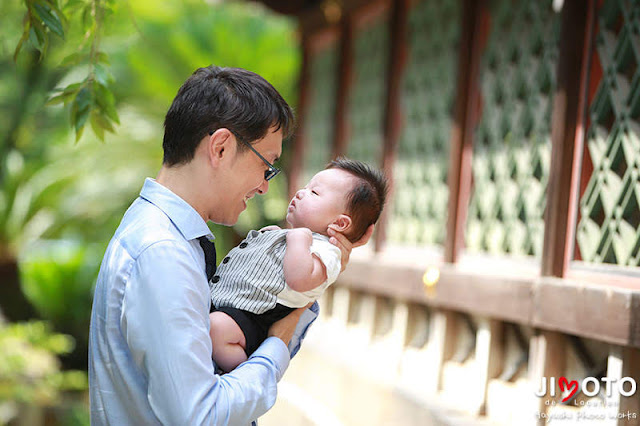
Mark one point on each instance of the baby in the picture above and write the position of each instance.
(273, 272)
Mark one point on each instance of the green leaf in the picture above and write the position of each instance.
(36, 36)
(79, 133)
(80, 110)
(73, 113)
(73, 88)
(102, 74)
(96, 125)
(81, 118)
(104, 122)
(54, 6)
(106, 101)
(83, 99)
(59, 98)
(25, 37)
(49, 19)
(71, 60)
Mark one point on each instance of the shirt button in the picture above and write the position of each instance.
(243, 245)
(215, 279)
(226, 259)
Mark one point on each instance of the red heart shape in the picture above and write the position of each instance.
(568, 385)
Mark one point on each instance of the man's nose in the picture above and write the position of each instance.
(264, 187)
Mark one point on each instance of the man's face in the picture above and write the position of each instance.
(246, 177)
(320, 202)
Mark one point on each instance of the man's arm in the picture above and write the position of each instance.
(303, 271)
(165, 323)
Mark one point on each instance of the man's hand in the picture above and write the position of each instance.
(284, 328)
(339, 240)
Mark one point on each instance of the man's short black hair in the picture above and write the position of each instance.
(213, 98)
(366, 199)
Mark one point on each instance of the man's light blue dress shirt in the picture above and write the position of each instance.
(150, 351)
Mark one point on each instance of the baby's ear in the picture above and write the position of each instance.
(341, 224)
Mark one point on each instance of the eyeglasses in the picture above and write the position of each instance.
(271, 172)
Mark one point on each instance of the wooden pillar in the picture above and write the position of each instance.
(567, 134)
(475, 30)
(300, 138)
(623, 362)
(489, 356)
(396, 66)
(442, 341)
(547, 358)
(344, 78)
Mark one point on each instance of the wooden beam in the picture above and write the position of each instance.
(396, 66)
(567, 136)
(475, 29)
(498, 290)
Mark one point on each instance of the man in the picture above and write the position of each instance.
(149, 351)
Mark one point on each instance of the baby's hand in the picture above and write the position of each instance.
(270, 228)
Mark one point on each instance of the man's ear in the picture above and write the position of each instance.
(341, 224)
(220, 144)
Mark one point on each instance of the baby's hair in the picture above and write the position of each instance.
(366, 199)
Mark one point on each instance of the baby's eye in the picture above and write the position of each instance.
(314, 192)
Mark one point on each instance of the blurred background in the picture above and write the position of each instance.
(509, 249)
(62, 196)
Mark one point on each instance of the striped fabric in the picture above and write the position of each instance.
(251, 276)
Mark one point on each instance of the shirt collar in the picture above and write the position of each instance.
(184, 217)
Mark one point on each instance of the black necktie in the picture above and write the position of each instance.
(209, 256)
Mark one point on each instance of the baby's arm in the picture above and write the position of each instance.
(303, 271)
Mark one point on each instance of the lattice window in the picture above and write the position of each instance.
(512, 144)
(366, 103)
(609, 226)
(420, 173)
(319, 124)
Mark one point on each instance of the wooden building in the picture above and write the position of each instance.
(509, 252)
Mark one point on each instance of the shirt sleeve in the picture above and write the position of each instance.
(306, 319)
(166, 325)
(330, 256)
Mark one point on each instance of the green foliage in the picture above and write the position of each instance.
(90, 99)
(41, 18)
(58, 279)
(76, 415)
(26, 208)
(30, 369)
(264, 44)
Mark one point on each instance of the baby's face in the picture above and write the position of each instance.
(320, 202)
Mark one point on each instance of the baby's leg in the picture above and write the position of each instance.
(227, 340)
